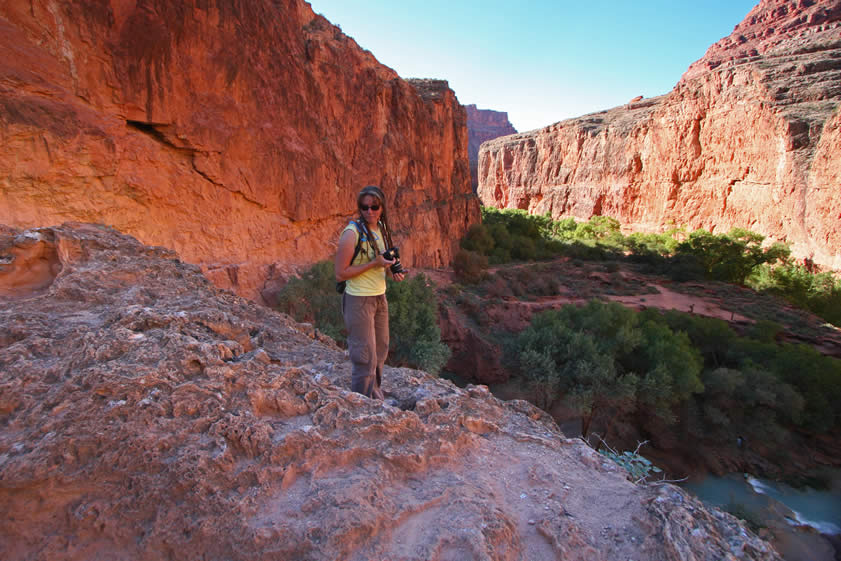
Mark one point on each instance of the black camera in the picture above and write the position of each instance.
(396, 267)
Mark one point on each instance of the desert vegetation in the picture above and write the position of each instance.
(412, 309)
(738, 257)
(691, 375)
(664, 376)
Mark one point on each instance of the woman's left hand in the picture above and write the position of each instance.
(398, 276)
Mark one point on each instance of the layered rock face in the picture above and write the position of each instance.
(749, 137)
(236, 133)
(147, 415)
(483, 125)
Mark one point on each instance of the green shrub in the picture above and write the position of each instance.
(502, 243)
(765, 331)
(311, 298)
(639, 468)
(730, 257)
(564, 229)
(819, 293)
(412, 307)
(518, 222)
(684, 267)
(469, 267)
(659, 245)
(735, 257)
(524, 248)
(551, 248)
(606, 361)
(478, 239)
(598, 228)
(587, 251)
(413, 319)
(499, 256)
(756, 378)
(614, 365)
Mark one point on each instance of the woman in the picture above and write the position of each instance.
(364, 306)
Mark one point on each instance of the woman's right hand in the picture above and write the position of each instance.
(383, 262)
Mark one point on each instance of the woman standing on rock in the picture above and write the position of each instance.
(360, 262)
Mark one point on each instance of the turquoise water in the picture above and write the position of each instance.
(771, 501)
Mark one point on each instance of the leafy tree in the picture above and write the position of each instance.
(671, 365)
(765, 331)
(413, 319)
(817, 292)
(564, 229)
(754, 377)
(817, 378)
(730, 257)
(605, 362)
(557, 358)
(597, 228)
(650, 248)
(503, 243)
(711, 336)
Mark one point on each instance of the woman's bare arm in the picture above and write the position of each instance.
(344, 270)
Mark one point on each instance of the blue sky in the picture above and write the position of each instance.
(540, 60)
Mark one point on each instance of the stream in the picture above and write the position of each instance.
(803, 523)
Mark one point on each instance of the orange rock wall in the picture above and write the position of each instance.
(748, 139)
(483, 125)
(236, 133)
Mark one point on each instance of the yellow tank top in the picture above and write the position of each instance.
(372, 281)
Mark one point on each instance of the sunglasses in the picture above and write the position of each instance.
(372, 207)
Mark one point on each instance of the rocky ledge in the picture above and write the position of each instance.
(145, 414)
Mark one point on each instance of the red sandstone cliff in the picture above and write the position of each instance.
(483, 125)
(236, 133)
(750, 137)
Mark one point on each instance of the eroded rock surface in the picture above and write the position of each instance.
(28, 264)
(749, 137)
(236, 133)
(145, 414)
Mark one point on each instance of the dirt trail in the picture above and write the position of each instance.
(665, 299)
(670, 300)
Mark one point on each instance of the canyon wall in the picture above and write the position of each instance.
(483, 125)
(236, 133)
(749, 137)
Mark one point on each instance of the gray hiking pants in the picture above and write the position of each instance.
(366, 320)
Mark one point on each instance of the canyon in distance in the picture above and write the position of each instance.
(749, 137)
(166, 167)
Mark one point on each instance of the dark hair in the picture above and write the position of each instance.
(377, 193)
